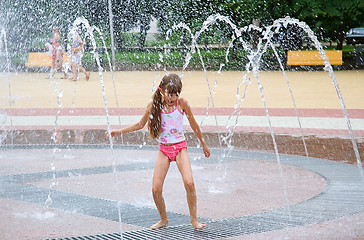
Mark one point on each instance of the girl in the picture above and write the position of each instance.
(59, 60)
(164, 115)
(56, 37)
(77, 54)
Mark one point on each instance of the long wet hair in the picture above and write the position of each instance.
(173, 85)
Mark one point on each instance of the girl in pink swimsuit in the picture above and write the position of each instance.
(164, 115)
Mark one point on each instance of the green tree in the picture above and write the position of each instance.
(331, 19)
(122, 17)
(338, 16)
(27, 20)
(328, 18)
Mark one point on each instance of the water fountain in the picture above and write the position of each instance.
(118, 193)
(5, 68)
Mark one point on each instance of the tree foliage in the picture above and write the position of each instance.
(26, 20)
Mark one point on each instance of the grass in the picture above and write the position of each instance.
(175, 58)
(213, 58)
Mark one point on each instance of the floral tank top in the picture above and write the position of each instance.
(172, 127)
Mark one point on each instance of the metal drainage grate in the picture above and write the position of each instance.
(214, 230)
(169, 233)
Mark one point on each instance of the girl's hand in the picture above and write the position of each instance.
(114, 133)
(206, 149)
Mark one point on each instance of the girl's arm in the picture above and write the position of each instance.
(81, 47)
(194, 125)
(135, 127)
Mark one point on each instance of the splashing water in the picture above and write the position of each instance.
(187, 61)
(253, 66)
(284, 21)
(90, 32)
(59, 93)
(211, 20)
(4, 48)
(255, 58)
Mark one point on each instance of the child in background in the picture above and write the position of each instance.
(59, 60)
(49, 49)
(76, 57)
(164, 115)
(52, 50)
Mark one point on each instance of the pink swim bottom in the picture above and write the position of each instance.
(171, 151)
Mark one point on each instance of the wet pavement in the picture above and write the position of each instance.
(72, 185)
(239, 193)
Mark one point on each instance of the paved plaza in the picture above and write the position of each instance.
(219, 101)
(61, 179)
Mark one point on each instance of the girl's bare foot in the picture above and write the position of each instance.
(197, 225)
(87, 76)
(160, 224)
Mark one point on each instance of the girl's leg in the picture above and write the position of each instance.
(160, 172)
(53, 69)
(64, 74)
(60, 66)
(56, 66)
(74, 71)
(184, 166)
(82, 69)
